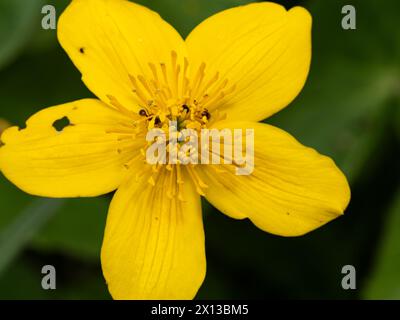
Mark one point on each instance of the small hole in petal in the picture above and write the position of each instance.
(61, 124)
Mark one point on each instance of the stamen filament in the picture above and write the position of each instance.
(168, 92)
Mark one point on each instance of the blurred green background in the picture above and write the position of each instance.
(349, 110)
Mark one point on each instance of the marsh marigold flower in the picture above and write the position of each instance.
(236, 68)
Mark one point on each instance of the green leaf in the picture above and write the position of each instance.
(34, 83)
(384, 281)
(18, 20)
(12, 201)
(75, 280)
(21, 282)
(76, 230)
(377, 33)
(340, 112)
(15, 237)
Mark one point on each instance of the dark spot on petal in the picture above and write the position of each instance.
(186, 108)
(82, 50)
(61, 124)
(143, 113)
(157, 121)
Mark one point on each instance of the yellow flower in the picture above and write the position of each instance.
(236, 68)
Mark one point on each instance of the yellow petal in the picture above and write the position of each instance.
(153, 246)
(108, 40)
(262, 49)
(292, 190)
(79, 160)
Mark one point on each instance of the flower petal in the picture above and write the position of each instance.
(75, 158)
(153, 246)
(292, 190)
(108, 40)
(261, 48)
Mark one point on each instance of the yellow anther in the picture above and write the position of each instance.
(168, 92)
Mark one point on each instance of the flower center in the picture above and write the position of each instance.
(168, 94)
